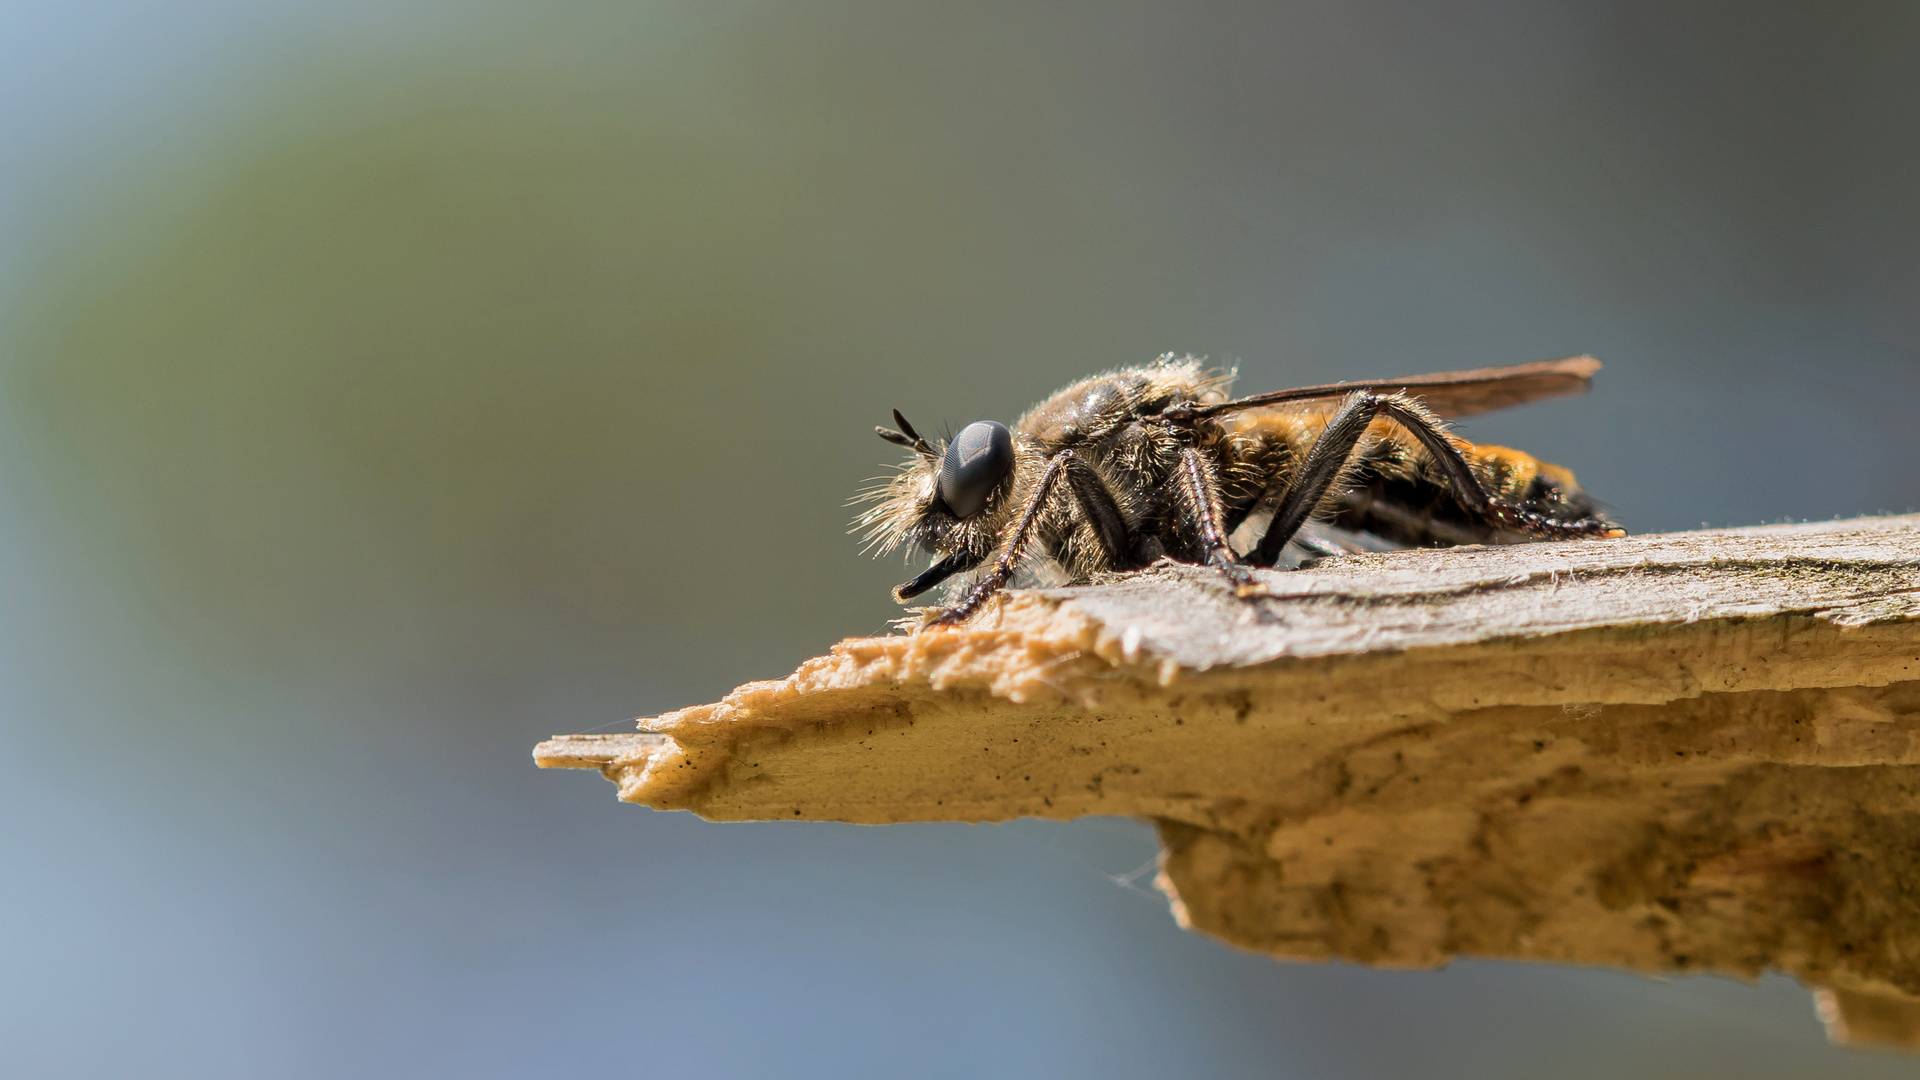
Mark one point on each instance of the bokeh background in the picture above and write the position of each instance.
(386, 386)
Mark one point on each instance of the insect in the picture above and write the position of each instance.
(1142, 463)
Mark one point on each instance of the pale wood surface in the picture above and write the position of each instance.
(1694, 752)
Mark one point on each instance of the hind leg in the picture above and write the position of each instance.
(1335, 447)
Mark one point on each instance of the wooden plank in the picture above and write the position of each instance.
(1692, 752)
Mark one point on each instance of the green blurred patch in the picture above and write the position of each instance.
(582, 360)
(413, 362)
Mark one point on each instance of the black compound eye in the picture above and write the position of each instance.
(975, 463)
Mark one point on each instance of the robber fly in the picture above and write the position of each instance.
(1151, 462)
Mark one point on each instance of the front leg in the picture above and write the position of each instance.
(1101, 513)
(1015, 547)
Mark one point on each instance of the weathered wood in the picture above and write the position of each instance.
(1693, 752)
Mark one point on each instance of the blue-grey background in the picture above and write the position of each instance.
(384, 387)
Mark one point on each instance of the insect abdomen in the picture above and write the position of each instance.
(1399, 500)
(1394, 490)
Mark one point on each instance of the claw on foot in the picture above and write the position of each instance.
(1524, 520)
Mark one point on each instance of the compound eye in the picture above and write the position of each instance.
(975, 463)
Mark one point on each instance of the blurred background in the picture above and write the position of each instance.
(386, 386)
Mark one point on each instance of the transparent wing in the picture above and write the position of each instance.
(1449, 394)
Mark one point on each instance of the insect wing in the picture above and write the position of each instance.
(1465, 393)
(1451, 394)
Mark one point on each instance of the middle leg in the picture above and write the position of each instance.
(1198, 496)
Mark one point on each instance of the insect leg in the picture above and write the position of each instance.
(1322, 467)
(1015, 546)
(1101, 513)
(1466, 486)
(957, 563)
(1199, 496)
(1335, 446)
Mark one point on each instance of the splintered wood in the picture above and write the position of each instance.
(1697, 752)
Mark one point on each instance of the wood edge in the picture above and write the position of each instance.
(1868, 1021)
(595, 751)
